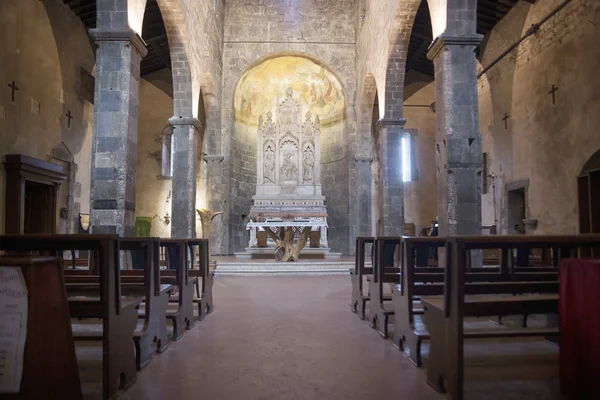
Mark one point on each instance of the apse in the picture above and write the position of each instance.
(259, 93)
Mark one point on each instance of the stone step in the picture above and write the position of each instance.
(280, 268)
(283, 273)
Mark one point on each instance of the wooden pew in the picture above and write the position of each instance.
(119, 314)
(143, 283)
(358, 304)
(380, 307)
(444, 317)
(181, 307)
(49, 361)
(417, 281)
(204, 276)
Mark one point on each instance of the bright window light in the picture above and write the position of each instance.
(406, 161)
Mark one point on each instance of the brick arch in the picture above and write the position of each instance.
(186, 89)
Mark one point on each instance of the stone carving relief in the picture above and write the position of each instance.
(289, 170)
(269, 170)
(290, 148)
(308, 165)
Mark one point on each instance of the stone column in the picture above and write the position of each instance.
(216, 197)
(363, 196)
(390, 164)
(185, 168)
(115, 130)
(458, 148)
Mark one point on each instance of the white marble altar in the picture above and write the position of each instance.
(288, 178)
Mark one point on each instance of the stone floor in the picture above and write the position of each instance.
(280, 338)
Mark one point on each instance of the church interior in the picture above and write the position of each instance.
(388, 198)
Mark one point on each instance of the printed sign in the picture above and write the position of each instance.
(13, 328)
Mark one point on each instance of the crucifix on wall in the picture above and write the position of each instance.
(552, 92)
(69, 118)
(14, 88)
(505, 119)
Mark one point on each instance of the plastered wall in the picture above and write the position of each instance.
(43, 47)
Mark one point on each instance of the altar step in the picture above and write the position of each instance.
(269, 267)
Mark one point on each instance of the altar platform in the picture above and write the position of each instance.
(230, 266)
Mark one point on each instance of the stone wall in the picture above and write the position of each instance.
(43, 48)
(544, 146)
(156, 107)
(256, 30)
(420, 196)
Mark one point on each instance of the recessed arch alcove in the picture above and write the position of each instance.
(259, 91)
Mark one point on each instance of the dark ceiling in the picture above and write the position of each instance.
(489, 12)
(153, 33)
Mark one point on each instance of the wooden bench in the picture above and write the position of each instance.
(444, 316)
(119, 314)
(181, 307)
(49, 361)
(143, 283)
(417, 281)
(205, 277)
(358, 303)
(380, 306)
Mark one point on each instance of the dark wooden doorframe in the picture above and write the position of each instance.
(21, 169)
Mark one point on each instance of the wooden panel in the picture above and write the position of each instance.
(261, 239)
(315, 239)
(50, 366)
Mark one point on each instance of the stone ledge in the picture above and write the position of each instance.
(449, 40)
(213, 157)
(175, 121)
(363, 158)
(129, 35)
(385, 123)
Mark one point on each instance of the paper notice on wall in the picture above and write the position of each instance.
(13, 328)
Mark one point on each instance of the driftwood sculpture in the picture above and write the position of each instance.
(206, 218)
(286, 250)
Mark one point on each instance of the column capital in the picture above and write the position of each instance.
(444, 40)
(125, 35)
(174, 121)
(363, 158)
(390, 123)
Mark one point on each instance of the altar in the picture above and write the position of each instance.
(288, 184)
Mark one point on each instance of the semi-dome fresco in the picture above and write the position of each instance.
(264, 86)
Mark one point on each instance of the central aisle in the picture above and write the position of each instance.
(280, 338)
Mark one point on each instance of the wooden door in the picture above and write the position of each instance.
(39, 208)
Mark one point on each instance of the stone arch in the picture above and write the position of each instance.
(367, 116)
(185, 92)
(391, 106)
(135, 14)
(368, 93)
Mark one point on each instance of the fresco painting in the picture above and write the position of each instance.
(264, 86)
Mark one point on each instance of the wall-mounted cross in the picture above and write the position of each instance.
(552, 92)
(14, 88)
(69, 117)
(505, 119)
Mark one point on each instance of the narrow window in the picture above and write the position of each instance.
(406, 158)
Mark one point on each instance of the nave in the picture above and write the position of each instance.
(280, 338)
